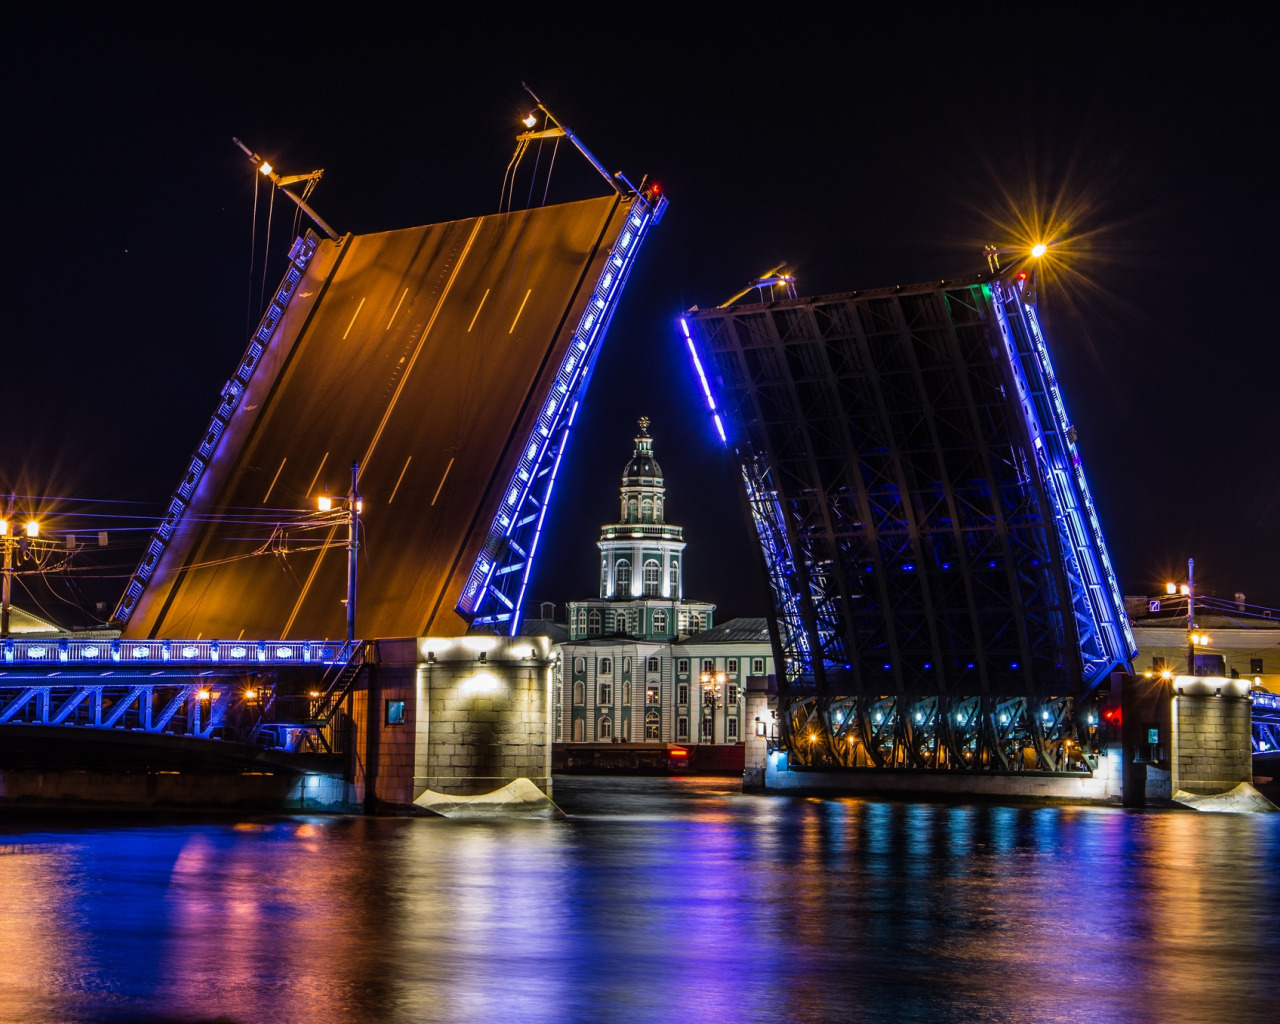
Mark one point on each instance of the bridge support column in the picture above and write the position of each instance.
(1211, 750)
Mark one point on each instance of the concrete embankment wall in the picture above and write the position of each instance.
(1103, 786)
(105, 790)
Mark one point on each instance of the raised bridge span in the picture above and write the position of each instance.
(448, 362)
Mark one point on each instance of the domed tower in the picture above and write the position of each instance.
(641, 563)
(642, 555)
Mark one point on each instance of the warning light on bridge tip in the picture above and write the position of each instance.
(1039, 249)
(265, 168)
(529, 119)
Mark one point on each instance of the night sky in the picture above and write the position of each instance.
(866, 151)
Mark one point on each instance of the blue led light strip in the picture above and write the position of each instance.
(52, 653)
(299, 257)
(495, 587)
(706, 388)
(1106, 641)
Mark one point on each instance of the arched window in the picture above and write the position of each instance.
(593, 622)
(624, 577)
(606, 666)
(604, 728)
(626, 666)
(579, 693)
(579, 665)
(646, 511)
(654, 664)
(675, 578)
(652, 725)
(695, 623)
(626, 692)
(659, 626)
(652, 577)
(633, 508)
(657, 510)
(604, 578)
(577, 730)
(582, 621)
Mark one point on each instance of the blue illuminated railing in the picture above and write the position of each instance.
(299, 257)
(494, 591)
(50, 653)
(1105, 639)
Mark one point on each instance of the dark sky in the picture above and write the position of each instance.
(866, 151)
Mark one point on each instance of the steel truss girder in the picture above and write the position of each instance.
(162, 706)
(494, 592)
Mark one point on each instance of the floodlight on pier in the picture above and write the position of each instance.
(33, 528)
(529, 119)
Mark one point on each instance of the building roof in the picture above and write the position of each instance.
(545, 627)
(735, 631)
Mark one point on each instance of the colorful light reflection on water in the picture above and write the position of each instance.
(659, 900)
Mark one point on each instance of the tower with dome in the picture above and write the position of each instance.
(643, 663)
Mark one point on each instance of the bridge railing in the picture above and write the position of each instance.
(45, 653)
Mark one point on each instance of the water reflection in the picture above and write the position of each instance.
(659, 900)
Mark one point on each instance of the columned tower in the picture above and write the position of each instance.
(641, 563)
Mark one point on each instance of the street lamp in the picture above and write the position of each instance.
(1188, 590)
(712, 698)
(12, 542)
(355, 505)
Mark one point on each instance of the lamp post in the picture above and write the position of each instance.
(712, 698)
(355, 505)
(12, 539)
(1188, 590)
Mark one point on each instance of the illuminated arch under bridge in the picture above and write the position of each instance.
(942, 594)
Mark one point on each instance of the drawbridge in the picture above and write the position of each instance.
(943, 597)
(447, 362)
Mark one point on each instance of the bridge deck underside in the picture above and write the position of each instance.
(424, 354)
(912, 548)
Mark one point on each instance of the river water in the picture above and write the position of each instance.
(663, 900)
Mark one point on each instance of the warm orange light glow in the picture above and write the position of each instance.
(315, 694)
(4, 527)
(1171, 588)
(265, 168)
(1185, 590)
(325, 503)
(250, 694)
(1039, 249)
(1166, 674)
(204, 695)
(33, 528)
(530, 119)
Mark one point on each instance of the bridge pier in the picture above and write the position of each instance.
(458, 716)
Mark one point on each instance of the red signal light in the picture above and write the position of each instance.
(656, 189)
(1022, 275)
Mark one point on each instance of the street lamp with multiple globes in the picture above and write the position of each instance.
(712, 698)
(1188, 590)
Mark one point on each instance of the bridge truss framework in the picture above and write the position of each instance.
(942, 594)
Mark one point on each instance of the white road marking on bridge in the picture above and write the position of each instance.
(519, 311)
(317, 476)
(444, 294)
(274, 479)
(478, 308)
(353, 320)
(397, 309)
(442, 480)
(399, 478)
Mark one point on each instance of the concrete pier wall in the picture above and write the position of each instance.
(459, 716)
(1212, 749)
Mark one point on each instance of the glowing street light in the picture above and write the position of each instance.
(33, 528)
(529, 119)
(1039, 249)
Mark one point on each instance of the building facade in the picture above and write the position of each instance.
(643, 663)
